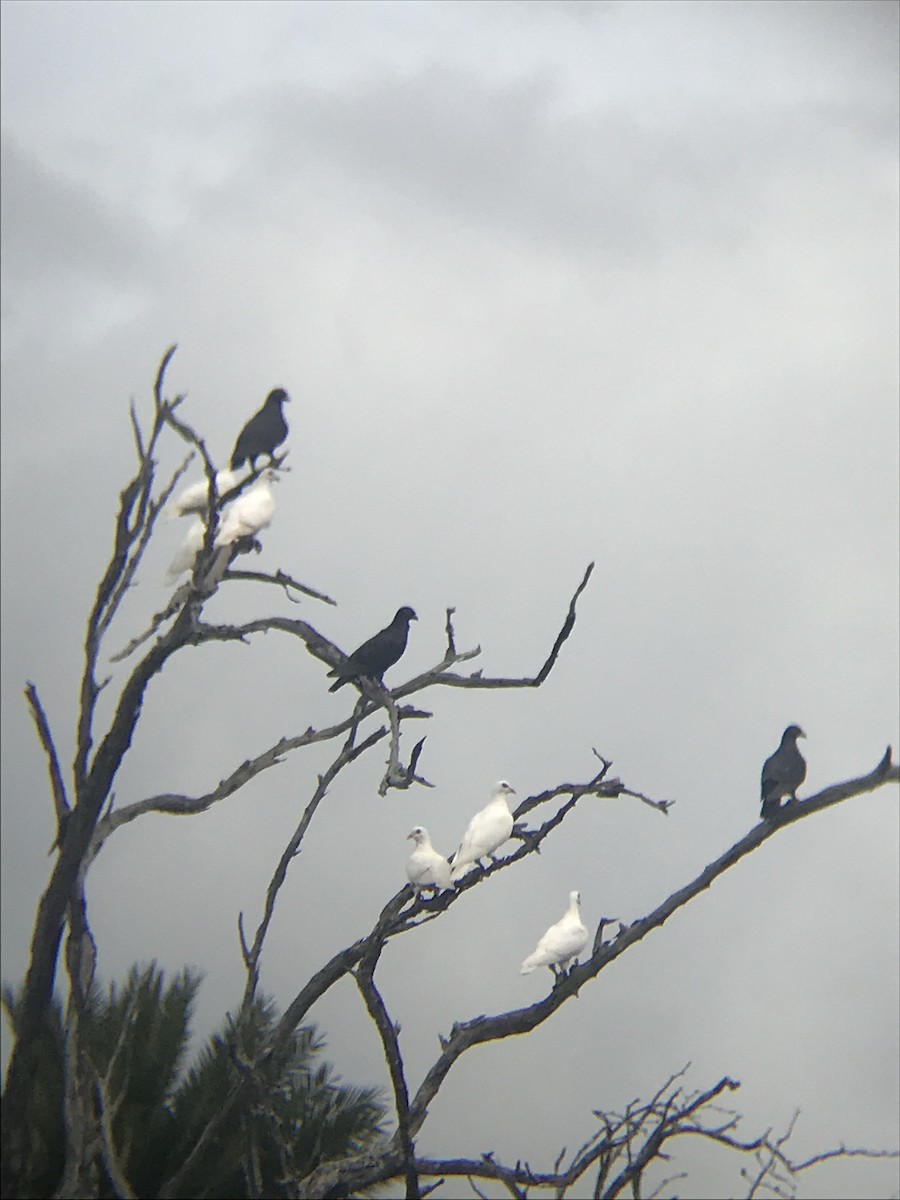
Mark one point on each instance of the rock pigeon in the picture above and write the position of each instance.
(264, 431)
(427, 868)
(560, 946)
(486, 832)
(377, 654)
(187, 552)
(250, 512)
(193, 499)
(782, 772)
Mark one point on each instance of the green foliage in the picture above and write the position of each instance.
(296, 1115)
(44, 1119)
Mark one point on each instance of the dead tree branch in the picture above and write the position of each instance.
(389, 1034)
(479, 1030)
(626, 1145)
(57, 785)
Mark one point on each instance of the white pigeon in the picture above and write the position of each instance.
(250, 513)
(560, 946)
(486, 832)
(427, 868)
(187, 552)
(193, 499)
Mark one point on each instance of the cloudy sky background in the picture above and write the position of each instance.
(548, 283)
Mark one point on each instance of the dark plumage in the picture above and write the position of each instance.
(378, 653)
(783, 772)
(263, 432)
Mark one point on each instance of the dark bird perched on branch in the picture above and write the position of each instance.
(263, 432)
(377, 654)
(783, 772)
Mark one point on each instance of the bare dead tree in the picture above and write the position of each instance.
(624, 1147)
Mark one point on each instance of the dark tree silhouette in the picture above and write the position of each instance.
(619, 1155)
(137, 1037)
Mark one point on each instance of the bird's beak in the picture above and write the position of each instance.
(802, 734)
(409, 837)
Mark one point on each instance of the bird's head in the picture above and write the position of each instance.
(575, 898)
(418, 834)
(405, 614)
(793, 732)
(277, 396)
(504, 789)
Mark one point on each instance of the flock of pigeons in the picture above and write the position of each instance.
(560, 946)
(251, 511)
(558, 949)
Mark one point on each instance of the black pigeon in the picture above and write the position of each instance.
(263, 432)
(783, 772)
(377, 654)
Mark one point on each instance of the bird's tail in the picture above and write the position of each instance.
(457, 870)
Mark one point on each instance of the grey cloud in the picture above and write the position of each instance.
(52, 225)
(613, 183)
(481, 408)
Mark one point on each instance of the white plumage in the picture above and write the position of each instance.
(562, 943)
(187, 551)
(426, 867)
(250, 512)
(193, 499)
(486, 832)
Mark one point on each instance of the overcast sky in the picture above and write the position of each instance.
(548, 283)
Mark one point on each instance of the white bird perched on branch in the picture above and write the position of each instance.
(194, 498)
(486, 832)
(250, 512)
(560, 946)
(187, 552)
(426, 867)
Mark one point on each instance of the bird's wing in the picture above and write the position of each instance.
(486, 831)
(380, 651)
(773, 769)
(470, 839)
(184, 556)
(785, 769)
(562, 941)
(192, 499)
(439, 870)
(247, 515)
(259, 509)
(229, 527)
(566, 939)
